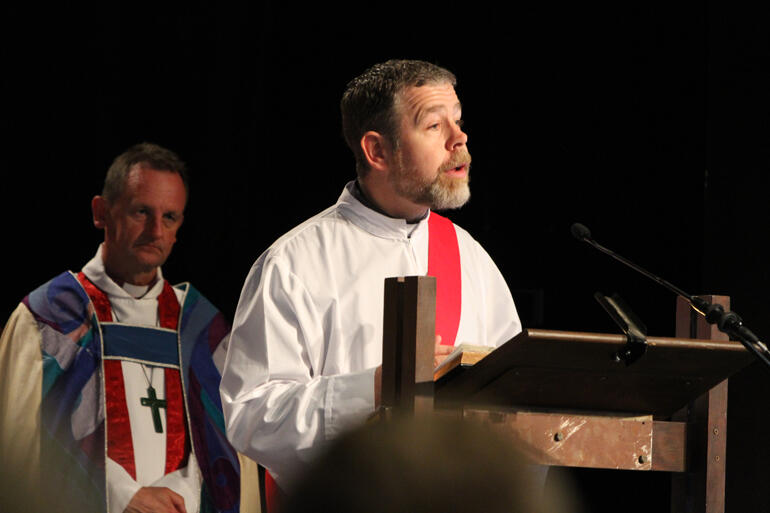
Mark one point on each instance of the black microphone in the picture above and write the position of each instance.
(580, 232)
(727, 322)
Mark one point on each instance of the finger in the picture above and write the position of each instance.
(438, 359)
(177, 501)
(179, 506)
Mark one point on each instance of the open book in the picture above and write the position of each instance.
(463, 354)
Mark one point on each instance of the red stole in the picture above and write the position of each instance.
(444, 264)
(274, 496)
(120, 446)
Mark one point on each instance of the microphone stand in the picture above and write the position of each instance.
(727, 322)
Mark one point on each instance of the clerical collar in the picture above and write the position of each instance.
(96, 272)
(136, 291)
(358, 192)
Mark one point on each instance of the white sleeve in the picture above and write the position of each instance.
(489, 313)
(220, 353)
(502, 317)
(21, 368)
(278, 407)
(121, 487)
(186, 482)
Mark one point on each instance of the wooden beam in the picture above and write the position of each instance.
(702, 487)
(409, 334)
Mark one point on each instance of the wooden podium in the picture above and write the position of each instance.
(567, 399)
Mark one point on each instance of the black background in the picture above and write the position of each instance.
(646, 121)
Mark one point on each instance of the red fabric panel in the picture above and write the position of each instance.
(177, 442)
(98, 298)
(274, 496)
(120, 446)
(168, 307)
(444, 264)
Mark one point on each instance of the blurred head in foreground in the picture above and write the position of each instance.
(425, 465)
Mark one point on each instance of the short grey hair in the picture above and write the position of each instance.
(147, 154)
(369, 100)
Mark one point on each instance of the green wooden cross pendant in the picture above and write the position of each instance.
(155, 404)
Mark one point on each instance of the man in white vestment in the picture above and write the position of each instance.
(303, 363)
(118, 366)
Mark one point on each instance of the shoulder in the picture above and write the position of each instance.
(472, 252)
(191, 298)
(463, 236)
(306, 239)
(315, 228)
(200, 314)
(302, 254)
(60, 302)
(465, 239)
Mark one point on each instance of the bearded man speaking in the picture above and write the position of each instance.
(304, 359)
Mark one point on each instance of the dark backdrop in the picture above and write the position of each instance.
(646, 121)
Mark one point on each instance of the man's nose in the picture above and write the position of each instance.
(456, 137)
(154, 226)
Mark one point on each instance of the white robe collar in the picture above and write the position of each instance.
(374, 222)
(94, 271)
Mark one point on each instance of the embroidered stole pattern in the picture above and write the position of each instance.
(120, 446)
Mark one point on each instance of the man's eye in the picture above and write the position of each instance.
(460, 122)
(434, 126)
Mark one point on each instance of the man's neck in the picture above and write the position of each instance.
(140, 279)
(146, 279)
(135, 291)
(413, 214)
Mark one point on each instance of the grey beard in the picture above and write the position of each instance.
(448, 195)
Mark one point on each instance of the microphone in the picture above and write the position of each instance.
(727, 322)
(580, 232)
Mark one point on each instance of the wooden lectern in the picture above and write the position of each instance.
(569, 401)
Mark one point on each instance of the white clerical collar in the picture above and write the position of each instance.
(135, 291)
(95, 272)
(374, 222)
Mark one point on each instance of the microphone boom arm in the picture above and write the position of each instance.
(727, 322)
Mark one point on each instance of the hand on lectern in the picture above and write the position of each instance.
(441, 352)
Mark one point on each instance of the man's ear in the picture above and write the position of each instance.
(376, 149)
(99, 211)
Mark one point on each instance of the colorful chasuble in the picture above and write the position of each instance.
(75, 336)
(444, 265)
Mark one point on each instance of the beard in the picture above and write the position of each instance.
(442, 192)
